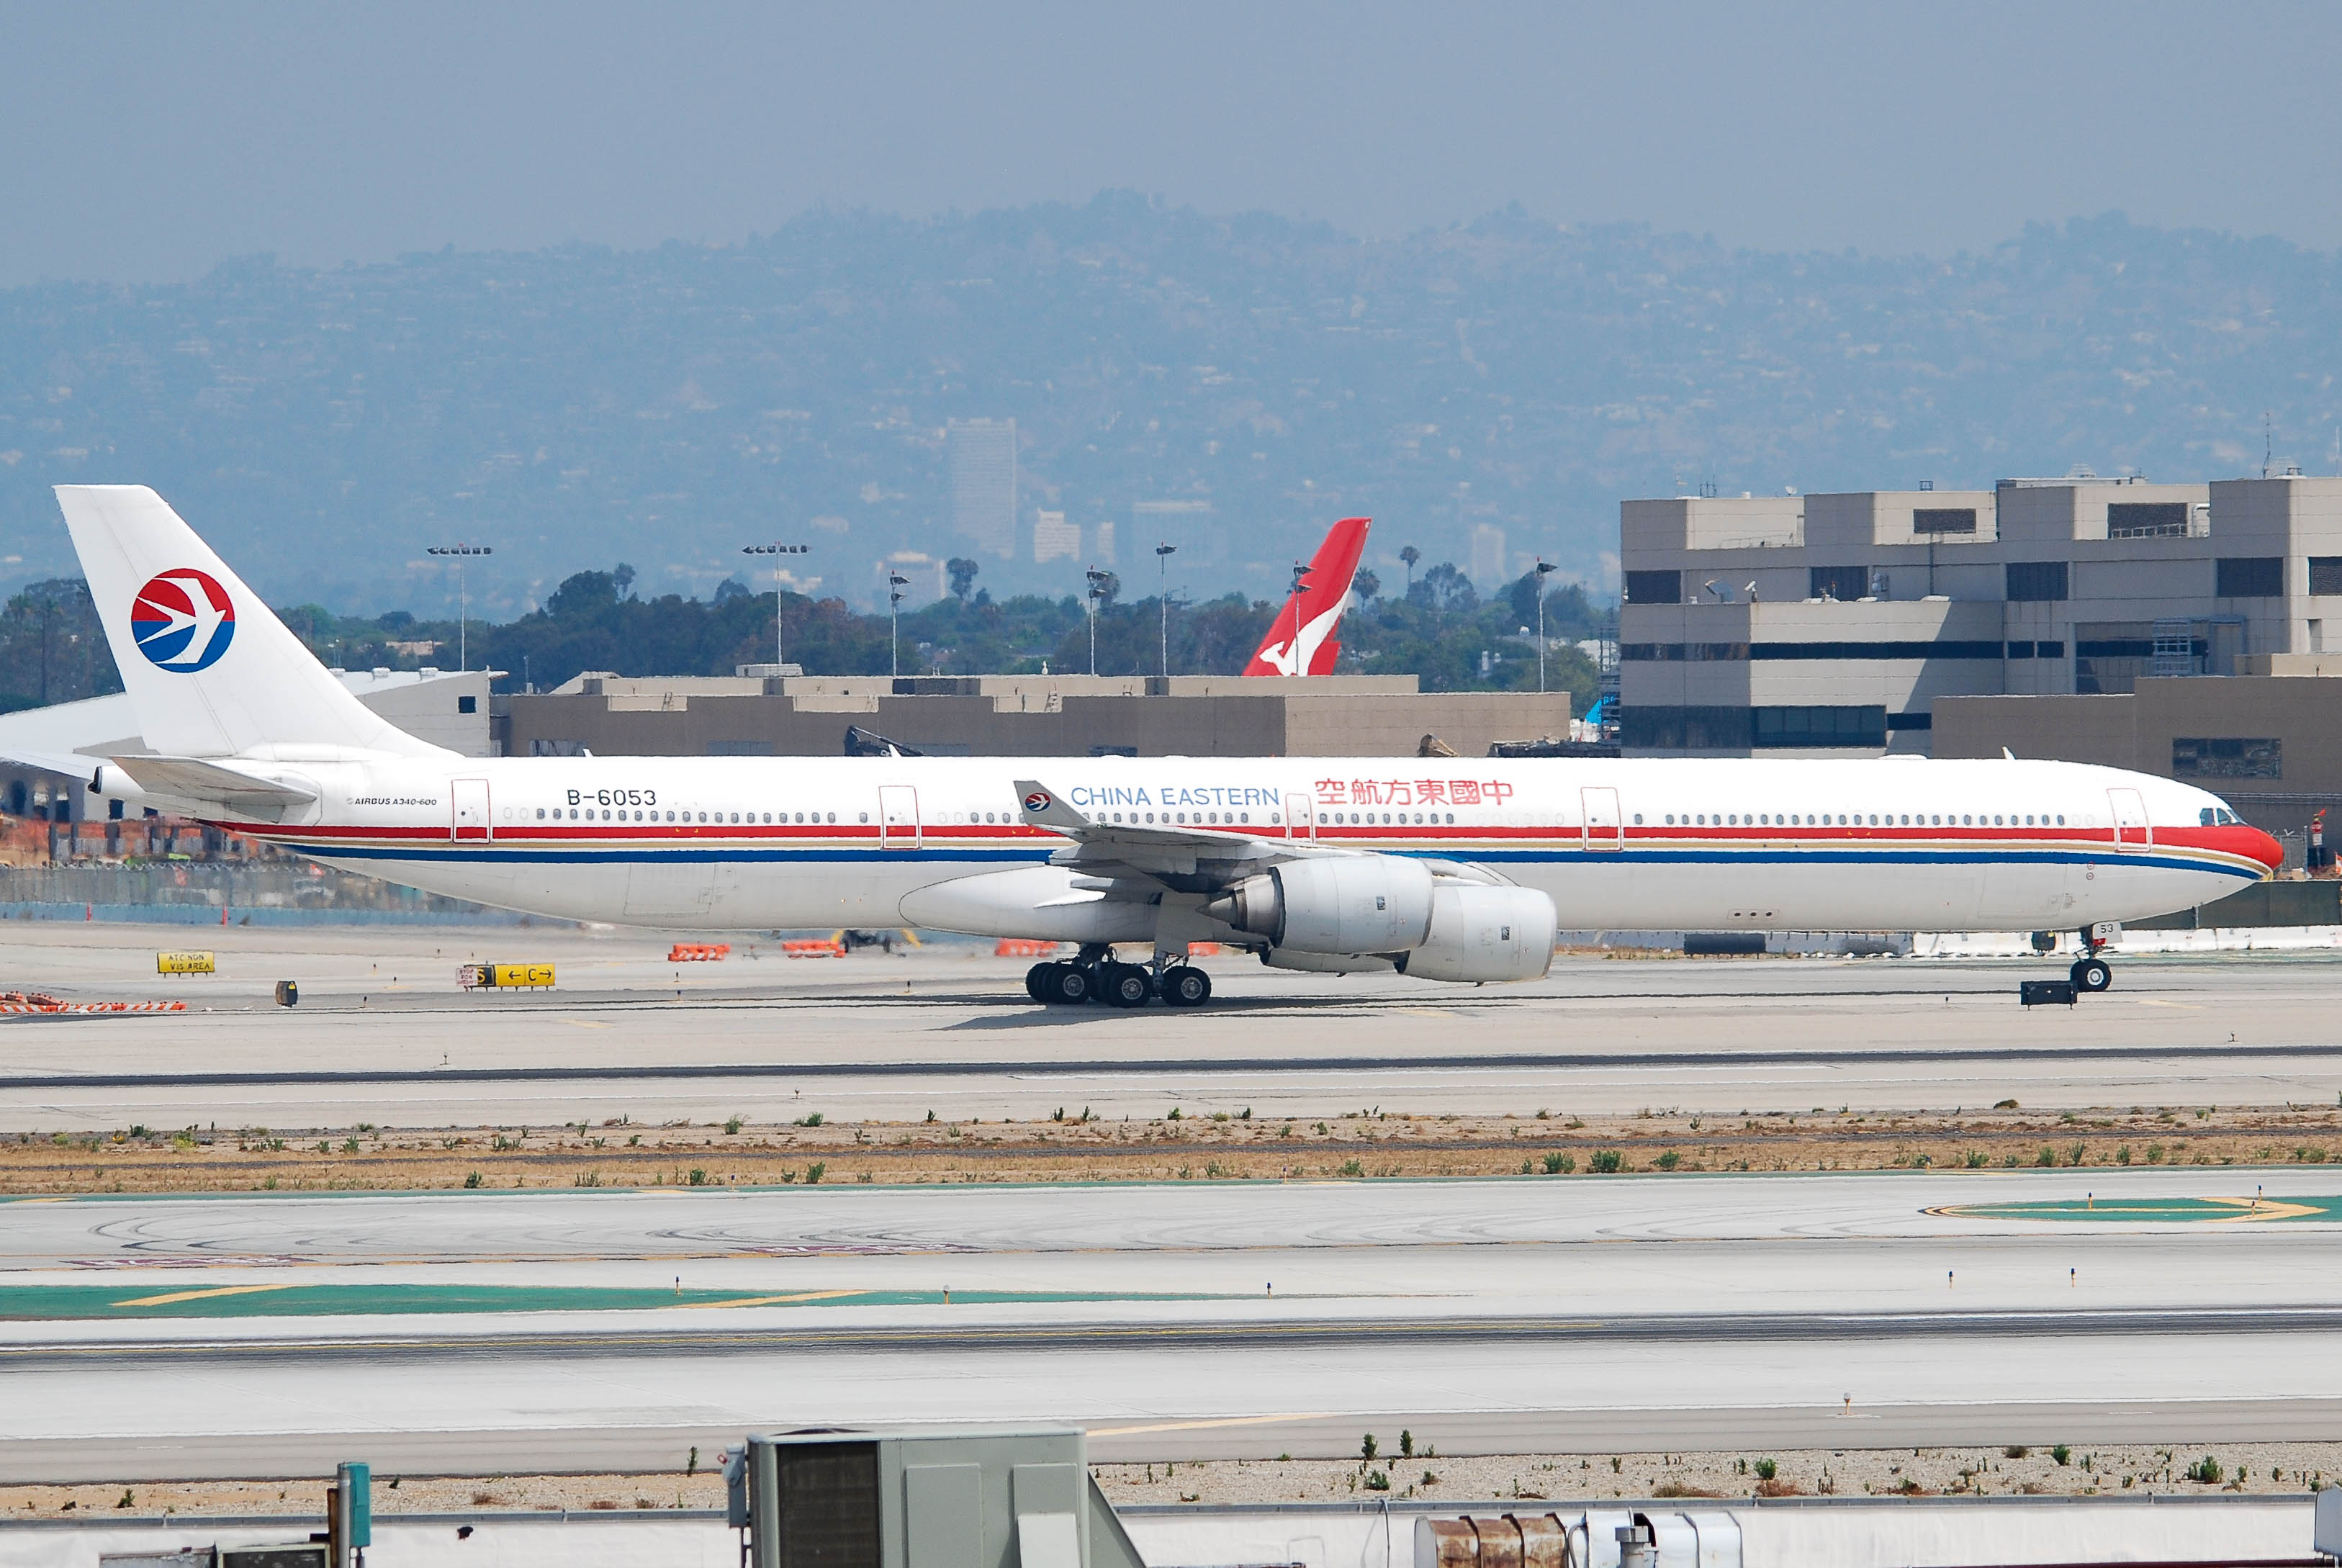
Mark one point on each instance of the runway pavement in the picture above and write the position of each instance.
(1183, 1321)
(383, 1035)
(498, 1331)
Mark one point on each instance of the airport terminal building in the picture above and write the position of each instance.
(1833, 625)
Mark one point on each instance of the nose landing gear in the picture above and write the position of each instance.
(2089, 975)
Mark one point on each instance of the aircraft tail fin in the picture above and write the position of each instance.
(210, 670)
(1301, 640)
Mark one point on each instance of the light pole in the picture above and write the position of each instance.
(463, 554)
(1098, 591)
(1543, 567)
(1293, 598)
(1163, 554)
(776, 552)
(895, 584)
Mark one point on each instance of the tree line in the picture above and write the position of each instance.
(1438, 627)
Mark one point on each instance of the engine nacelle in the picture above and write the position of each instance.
(1485, 934)
(1362, 903)
(1327, 963)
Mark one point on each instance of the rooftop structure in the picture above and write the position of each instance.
(1021, 715)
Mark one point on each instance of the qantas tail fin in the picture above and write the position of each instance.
(1300, 641)
(210, 670)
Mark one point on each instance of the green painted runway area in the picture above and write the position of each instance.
(2160, 1210)
(69, 1302)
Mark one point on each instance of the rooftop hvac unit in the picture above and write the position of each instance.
(970, 1497)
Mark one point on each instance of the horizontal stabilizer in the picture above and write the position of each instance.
(196, 779)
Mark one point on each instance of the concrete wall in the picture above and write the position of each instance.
(2137, 732)
(1240, 718)
(432, 709)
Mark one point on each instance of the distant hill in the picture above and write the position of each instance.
(580, 406)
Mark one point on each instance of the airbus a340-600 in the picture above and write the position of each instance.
(1442, 869)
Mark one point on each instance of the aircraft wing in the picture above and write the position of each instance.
(1185, 858)
(73, 765)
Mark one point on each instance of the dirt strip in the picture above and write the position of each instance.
(2257, 1468)
(1221, 1147)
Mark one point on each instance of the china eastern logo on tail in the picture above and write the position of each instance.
(183, 621)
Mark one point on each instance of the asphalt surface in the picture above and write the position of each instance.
(498, 1332)
(383, 1035)
(1868, 1310)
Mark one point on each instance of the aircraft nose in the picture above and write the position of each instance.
(2264, 848)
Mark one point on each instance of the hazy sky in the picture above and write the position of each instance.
(148, 141)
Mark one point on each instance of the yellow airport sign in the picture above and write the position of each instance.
(185, 963)
(503, 977)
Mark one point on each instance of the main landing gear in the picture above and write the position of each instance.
(1097, 976)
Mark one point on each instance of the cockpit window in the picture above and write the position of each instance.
(2203, 818)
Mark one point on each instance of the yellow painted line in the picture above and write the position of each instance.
(206, 1295)
(1195, 1425)
(768, 1301)
(2262, 1209)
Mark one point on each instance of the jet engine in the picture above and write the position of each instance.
(1485, 934)
(1363, 904)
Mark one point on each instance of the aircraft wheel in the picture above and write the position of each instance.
(1184, 986)
(1062, 984)
(2091, 974)
(1126, 984)
(1036, 981)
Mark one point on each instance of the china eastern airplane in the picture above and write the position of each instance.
(1451, 869)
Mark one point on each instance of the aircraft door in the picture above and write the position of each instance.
(1300, 816)
(468, 809)
(2133, 832)
(898, 817)
(1605, 829)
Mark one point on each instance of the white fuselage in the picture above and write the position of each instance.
(1668, 844)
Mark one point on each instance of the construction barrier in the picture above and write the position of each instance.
(698, 951)
(1022, 947)
(813, 947)
(33, 1002)
(186, 964)
(503, 977)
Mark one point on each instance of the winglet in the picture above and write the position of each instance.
(2007, 755)
(1040, 806)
